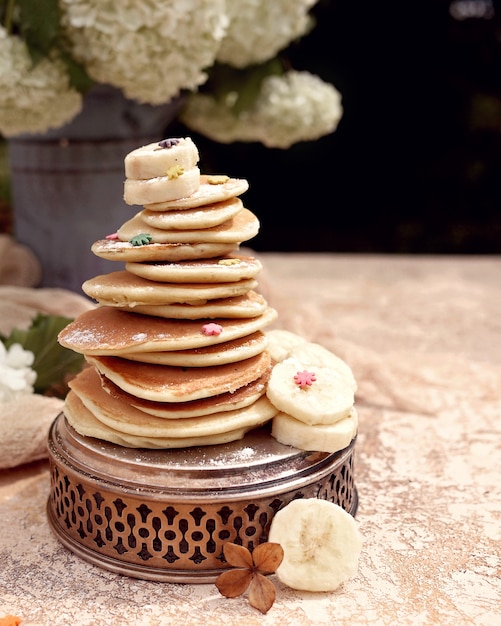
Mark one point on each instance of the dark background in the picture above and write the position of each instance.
(415, 164)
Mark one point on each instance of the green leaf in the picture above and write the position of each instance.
(245, 83)
(52, 361)
(40, 24)
(79, 79)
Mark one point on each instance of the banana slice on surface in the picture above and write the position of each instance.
(321, 544)
(319, 438)
(328, 399)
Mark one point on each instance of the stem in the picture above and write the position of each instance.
(9, 11)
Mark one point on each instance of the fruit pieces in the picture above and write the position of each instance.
(321, 544)
(314, 392)
(322, 437)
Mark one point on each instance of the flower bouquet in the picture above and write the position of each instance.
(224, 57)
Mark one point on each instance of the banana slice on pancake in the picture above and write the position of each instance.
(206, 216)
(211, 189)
(127, 419)
(164, 383)
(178, 184)
(238, 229)
(230, 268)
(110, 331)
(123, 288)
(156, 159)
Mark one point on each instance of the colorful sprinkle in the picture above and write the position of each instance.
(113, 236)
(143, 239)
(219, 179)
(175, 171)
(305, 379)
(168, 143)
(212, 329)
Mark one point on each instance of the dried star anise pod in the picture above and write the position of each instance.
(250, 573)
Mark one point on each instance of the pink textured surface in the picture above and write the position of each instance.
(423, 336)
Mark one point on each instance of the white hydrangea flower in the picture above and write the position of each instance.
(16, 376)
(151, 49)
(259, 29)
(33, 98)
(297, 106)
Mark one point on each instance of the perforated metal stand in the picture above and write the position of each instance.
(165, 514)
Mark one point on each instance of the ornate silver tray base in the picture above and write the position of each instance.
(165, 515)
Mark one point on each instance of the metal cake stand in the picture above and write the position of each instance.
(165, 515)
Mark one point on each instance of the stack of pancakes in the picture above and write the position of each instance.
(176, 350)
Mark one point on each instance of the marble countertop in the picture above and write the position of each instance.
(423, 337)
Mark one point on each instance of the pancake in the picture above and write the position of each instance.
(251, 304)
(231, 268)
(110, 331)
(115, 250)
(229, 401)
(164, 383)
(211, 189)
(82, 420)
(242, 227)
(200, 217)
(227, 352)
(123, 288)
(124, 418)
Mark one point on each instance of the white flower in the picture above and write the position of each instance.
(151, 49)
(33, 97)
(259, 29)
(297, 106)
(16, 376)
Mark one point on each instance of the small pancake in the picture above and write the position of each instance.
(120, 416)
(82, 420)
(212, 189)
(199, 217)
(110, 331)
(123, 288)
(251, 304)
(231, 268)
(227, 352)
(114, 250)
(242, 227)
(164, 383)
(229, 401)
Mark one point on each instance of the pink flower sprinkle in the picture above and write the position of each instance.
(305, 379)
(212, 329)
(113, 236)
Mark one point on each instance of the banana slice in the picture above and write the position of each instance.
(319, 438)
(161, 188)
(311, 354)
(284, 344)
(156, 158)
(321, 544)
(328, 399)
(281, 343)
